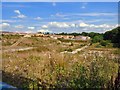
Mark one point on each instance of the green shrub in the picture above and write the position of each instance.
(98, 46)
(104, 43)
(69, 50)
(97, 38)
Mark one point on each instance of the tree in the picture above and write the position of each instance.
(97, 38)
(84, 34)
(114, 36)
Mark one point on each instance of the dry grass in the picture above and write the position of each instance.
(49, 68)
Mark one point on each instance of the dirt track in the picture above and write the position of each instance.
(77, 50)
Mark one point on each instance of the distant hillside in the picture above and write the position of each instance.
(114, 36)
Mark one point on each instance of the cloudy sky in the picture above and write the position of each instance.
(59, 17)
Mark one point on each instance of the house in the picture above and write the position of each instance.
(27, 35)
(67, 36)
(83, 38)
(62, 36)
(38, 35)
(70, 37)
(56, 36)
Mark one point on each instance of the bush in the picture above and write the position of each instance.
(97, 38)
(98, 46)
(104, 43)
(69, 50)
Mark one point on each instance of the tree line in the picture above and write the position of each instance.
(112, 36)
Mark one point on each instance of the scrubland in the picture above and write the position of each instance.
(45, 67)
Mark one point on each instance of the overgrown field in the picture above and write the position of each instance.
(45, 66)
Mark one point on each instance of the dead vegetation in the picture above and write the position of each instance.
(46, 67)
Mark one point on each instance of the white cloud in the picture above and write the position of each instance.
(44, 26)
(19, 26)
(17, 31)
(83, 24)
(80, 27)
(117, 25)
(97, 14)
(59, 15)
(17, 11)
(58, 24)
(28, 31)
(73, 25)
(96, 26)
(86, 14)
(43, 30)
(4, 25)
(19, 14)
(31, 28)
(38, 18)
